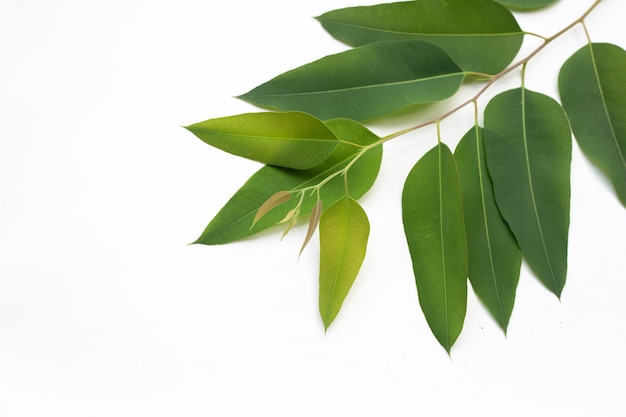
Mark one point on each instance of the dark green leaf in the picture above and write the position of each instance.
(344, 230)
(432, 213)
(528, 147)
(292, 140)
(479, 35)
(592, 85)
(526, 4)
(234, 220)
(364, 83)
(494, 257)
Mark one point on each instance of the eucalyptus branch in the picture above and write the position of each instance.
(474, 99)
(473, 213)
(497, 76)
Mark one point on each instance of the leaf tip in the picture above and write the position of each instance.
(326, 325)
(244, 97)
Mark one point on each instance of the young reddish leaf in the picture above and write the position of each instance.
(274, 201)
(292, 218)
(316, 214)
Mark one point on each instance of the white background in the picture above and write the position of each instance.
(105, 310)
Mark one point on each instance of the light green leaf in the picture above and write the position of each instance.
(344, 230)
(480, 35)
(364, 83)
(592, 85)
(494, 257)
(528, 146)
(432, 213)
(234, 220)
(526, 4)
(292, 140)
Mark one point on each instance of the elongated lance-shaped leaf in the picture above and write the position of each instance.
(344, 230)
(528, 146)
(526, 4)
(234, 220)
(494, 259)
(316, 214)
(432, 213)
(592, 85)
(274, 201)
(480, 35)
(292, 139)
(364, 83)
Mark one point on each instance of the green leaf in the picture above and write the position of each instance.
(344, 230)
(526, 4)
(364, 83)
(234, 220)
(494, 257)
(432, 213)
(292, 140)
(592, 84)
(528, 146)
(480, 35)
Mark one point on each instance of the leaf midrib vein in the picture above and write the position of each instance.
(344, 238)
(260, 137)
(363, 87)
(532, 191)
(605, 108)
(487, 230)
(443, 251)
(397, 32)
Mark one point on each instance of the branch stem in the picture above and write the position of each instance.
(496, 77)
(492, 79)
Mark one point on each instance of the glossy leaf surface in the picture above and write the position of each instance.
(292, 139)
(528, 147)
(432, 213)
(526, 4)
(494, 259)
(480, 35)
(592, 85)
(344, 230)
(234, 220)
(364, 83)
